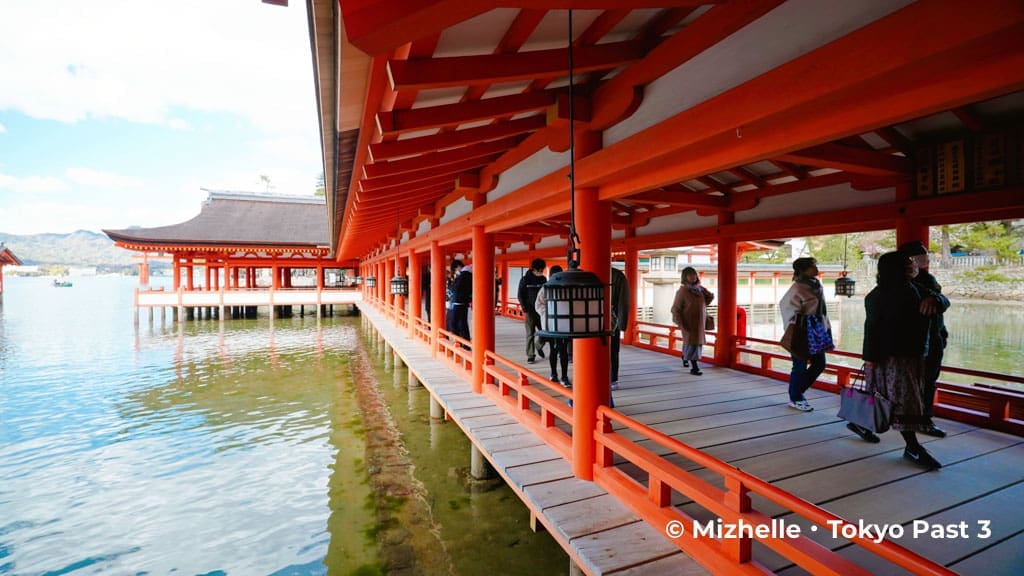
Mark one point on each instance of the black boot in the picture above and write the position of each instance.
(695, 370)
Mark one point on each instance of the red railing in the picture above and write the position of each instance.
(528, 397)
(652, 501)
(667, 339)
(456, 352)
(984, 405)
(421, 330)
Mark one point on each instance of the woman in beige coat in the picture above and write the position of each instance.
(689, 313)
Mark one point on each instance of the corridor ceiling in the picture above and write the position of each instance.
(736, 113)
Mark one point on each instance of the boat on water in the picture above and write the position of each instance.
(61, 283)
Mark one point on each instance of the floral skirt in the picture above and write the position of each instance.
(901, 379)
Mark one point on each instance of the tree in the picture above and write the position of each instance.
(321, 185)
(265, 180)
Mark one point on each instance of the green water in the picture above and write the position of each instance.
(484, 525)
(243, 447)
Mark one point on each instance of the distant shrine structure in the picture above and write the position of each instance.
(241, 252)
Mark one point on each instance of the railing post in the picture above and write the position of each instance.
(738, 499)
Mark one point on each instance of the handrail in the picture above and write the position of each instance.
(979, 406)
(654, 504)
(655, 333)
(503, 376)
(993, 408)
(456, 352)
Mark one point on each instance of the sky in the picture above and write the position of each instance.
(116, 113)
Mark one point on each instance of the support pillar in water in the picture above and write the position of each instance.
(479, 467)
(436, 410)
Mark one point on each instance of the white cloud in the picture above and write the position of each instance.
(69, 60)
(32, 184)
(99, 179)
(3, 129)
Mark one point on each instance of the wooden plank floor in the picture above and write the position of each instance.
(744, 419)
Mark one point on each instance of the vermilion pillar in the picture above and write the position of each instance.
(389, 271)
(726, 324)
(437, 278)
(483, 302)
(591, 360)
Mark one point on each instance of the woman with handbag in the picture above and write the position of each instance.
(895, 346)
(804, 302)
(690, 314)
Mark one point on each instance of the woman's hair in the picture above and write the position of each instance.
(687, 270)
(892, 269)
(555, 269)
(801, 264)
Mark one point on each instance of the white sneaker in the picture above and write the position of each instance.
(801, 405)
(615, 385)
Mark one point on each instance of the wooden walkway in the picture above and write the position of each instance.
(744, 420)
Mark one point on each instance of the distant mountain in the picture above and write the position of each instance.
(81, 248)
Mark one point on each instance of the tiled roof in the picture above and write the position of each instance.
(243, 218)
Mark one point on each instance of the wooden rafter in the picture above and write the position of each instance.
(851, 159)
(463, 112)
(424, 175)
(437, 159)
(455, 139)
(895, 139)
(682, 199)
(748, 176)
(618, 96)
(969, 118)
(497, 68)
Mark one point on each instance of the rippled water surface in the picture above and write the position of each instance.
(193, 448)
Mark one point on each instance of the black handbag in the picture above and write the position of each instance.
(864, 406)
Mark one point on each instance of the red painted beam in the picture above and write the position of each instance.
(850, 159)
(672, 198)
(433, 175)
(445, 140)
(376, 26)
(438, 159)
(497, 68)
(617, 97)
(462, 112)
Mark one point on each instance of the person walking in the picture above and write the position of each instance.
(807, 298)
(559, 347)
(529, 285)
(895, 346)
(933, 305)
(619, 319)
(462, 297)
(690, 314)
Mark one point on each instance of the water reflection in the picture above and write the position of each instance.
(982, 335)
(195, 447)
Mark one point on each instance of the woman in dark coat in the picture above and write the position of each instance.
(895, 345)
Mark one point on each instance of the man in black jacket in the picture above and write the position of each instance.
(462, 296)
(529, 285)
(933, 304)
